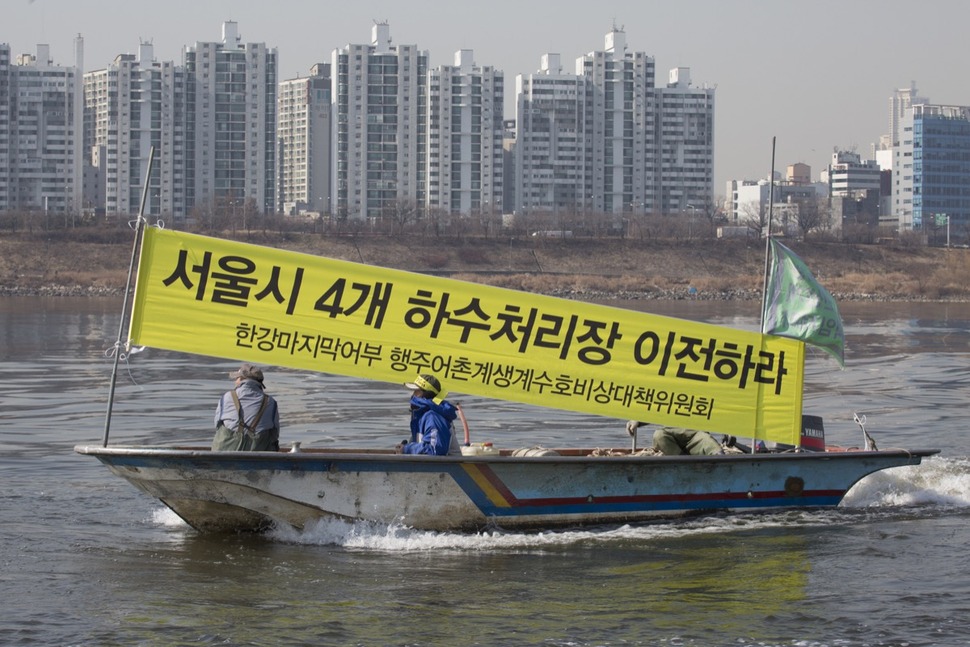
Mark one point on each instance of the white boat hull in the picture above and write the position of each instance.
(243, 491)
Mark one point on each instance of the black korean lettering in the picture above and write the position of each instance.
(596, 354)
(513, 322)
(181, 273)
(233, 282)
(273, 289)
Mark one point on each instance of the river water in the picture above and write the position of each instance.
(89, 560)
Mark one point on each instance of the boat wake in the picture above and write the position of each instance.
(937, 482)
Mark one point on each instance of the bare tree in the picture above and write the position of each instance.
(400, 214)
(812, 215)
(754, 216)
(249, 212)
(706, 216)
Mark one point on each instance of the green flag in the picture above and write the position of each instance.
(797, 306)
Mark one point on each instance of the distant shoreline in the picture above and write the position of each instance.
(583, 269)
(78, 291)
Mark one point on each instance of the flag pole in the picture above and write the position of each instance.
(771, 205)
(119, 344)
(764, 282)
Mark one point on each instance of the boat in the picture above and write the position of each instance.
(222, 492)
(227, 299)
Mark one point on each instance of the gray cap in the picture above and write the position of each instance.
(248, 372)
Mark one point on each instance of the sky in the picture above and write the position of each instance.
(814, 76)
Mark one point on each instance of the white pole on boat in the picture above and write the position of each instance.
(119, 344)
(764, 284)
(771, 206)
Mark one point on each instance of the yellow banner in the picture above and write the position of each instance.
(220, 298)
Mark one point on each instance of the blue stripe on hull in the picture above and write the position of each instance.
(673, 504)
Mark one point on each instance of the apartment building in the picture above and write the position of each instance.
(551, 173)
(135, 104)
(621, 124)
(380, 105)
(230, 151)
(305, 139)
(683, 164)
(377, 133)
(465, 134)
(607, 140)
(40, 132)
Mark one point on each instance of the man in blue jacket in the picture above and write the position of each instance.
(432, 430)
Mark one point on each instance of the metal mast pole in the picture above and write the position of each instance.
(119, 344)
(771, 201)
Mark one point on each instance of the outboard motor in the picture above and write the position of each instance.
(812, 437)
(813, 434)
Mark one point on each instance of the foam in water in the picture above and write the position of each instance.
(165, 518)
(399, 538)
(937, 481)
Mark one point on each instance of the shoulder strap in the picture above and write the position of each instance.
(259, 414)
(249, 428)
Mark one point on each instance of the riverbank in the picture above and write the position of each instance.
(573, 268)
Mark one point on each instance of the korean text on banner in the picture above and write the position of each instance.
(227, 299)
